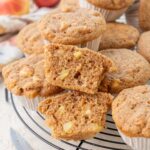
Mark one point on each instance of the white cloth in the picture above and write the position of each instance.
(9, 119)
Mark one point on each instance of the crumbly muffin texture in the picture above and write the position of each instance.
(2, 30)
(112, 4)
(72, 28)
(75, 115)
(119, 35)
(133, 70)
(75, 68)
(144, 15)
(25, 77)
(29, 40)
(144, 45)
(131, 111)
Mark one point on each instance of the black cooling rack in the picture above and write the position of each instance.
(109, 139)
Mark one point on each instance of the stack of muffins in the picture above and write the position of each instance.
(75, 63)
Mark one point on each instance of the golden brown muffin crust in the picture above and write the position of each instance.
(1, 67)
(2, 30)
(29, 40)
(112, 4)
(25, 77)
(131, 111)
(75, 68)
(133, 70)
(73, 27)
(119, 35)
(69, 5)
(144, 45)
(75, 115)
(144, 14)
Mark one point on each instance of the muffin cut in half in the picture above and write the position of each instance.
(74, 115)
(75, 68)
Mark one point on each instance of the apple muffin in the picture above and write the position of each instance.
(25, 78)
(75, 68)
(132, 70)
(30, 41)
(131, 113)
(73, 28)
(110, 9)
(144, 45)
(69, 5)
(144, 15)
(119, 35)
(74, 115)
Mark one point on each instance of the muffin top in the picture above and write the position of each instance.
(29, 40)
(26, 77)
(111, 4)
(133, 70)
(69, 5)
(144, 45)
(119, 35)
(131, 111)
(144, 15)
(73, 27)
(74, 115)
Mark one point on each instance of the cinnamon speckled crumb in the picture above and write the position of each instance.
(75, 68)
(75, 115)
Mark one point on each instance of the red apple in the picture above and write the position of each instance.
(14, 7)
(47, 3)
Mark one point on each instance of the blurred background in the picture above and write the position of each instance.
(14, 15)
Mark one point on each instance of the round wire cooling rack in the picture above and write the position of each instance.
(109, 139)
